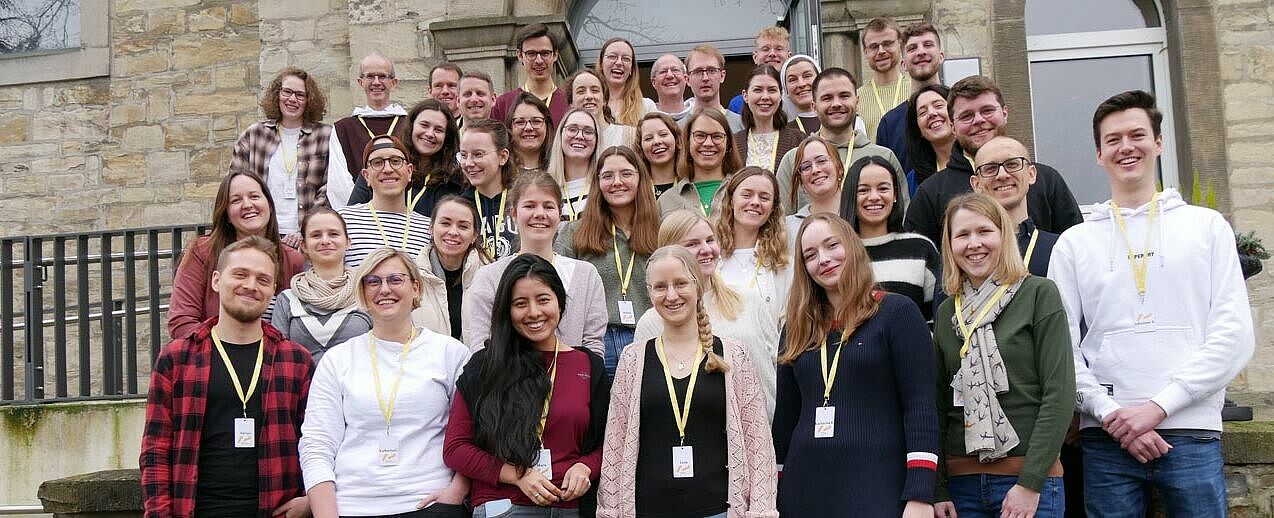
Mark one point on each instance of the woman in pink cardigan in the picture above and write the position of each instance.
(687, 432)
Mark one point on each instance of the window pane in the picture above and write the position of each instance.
(658, 26)
(39, 25)
(1054, 17)
(1064, 95)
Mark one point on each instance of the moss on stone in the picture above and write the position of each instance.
(1249, 442)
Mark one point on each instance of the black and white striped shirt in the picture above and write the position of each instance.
(907, 264)
(365, 236)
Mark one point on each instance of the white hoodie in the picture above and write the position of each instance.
(1202, 333)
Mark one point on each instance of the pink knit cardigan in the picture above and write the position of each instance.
(753, 484)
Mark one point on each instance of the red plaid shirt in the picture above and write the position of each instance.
(174, 422)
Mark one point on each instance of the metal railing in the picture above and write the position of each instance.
(91, 341)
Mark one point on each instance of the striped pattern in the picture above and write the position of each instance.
(364, 237)
(906, 264)
(922, 459)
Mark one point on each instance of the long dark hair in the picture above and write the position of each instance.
(919, 151)
(515, 381)
(531, 100)
(440, 167)
(849, 197)
(223, 232)
(780, 118)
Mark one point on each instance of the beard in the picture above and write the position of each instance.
(244, 313)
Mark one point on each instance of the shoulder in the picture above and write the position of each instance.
(568, 230)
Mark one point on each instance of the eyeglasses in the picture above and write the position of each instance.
(532, 55)
(707, 71)
(624, 58)
(534, 122)
(776, 48)
(475, 156)
(575, 131)
(375, 77)
(986, 112)
(808, 165)
(288, 92)
(394, 280)
(609, 176)
(703, 136)
(1011, 166)
(393, 161)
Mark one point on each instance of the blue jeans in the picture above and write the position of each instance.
(981, 496)
(617, 337)
(1189, 477)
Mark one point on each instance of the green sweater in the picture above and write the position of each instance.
(610, 275)
(1034, 341)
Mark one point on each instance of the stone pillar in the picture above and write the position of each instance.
(102, 494)
(486, 43)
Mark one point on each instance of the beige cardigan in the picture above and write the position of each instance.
(433, 313)
(753, 484)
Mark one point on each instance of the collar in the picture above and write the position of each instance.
(306, 127)
(1025, 228)
(393, 110)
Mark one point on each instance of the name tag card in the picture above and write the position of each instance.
(626, 314)
(683, 462)
(824, 422)
(289, 189)
(544, 463)
(387, 451)
(1143, 317)
(957, 399)
(245, 432)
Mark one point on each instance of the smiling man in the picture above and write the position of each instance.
(224, 410)
(477, 97)
(1004, 170)
(922, 51)
(537, 52)
(888, 86)
(444, 85)
(706, 68)
(385, 220)
(668, 77)
(380, 116)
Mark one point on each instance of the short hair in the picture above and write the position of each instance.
(884, 23)
(315, 101)
(710, 51)
(479, 75)
(257, 243)
(918, 29)
(1127, 101)
(773, 32)
(373, 260)
(398, 144)
(445, 65)
(1009, 267)
(972, 87)
(834, 72)
(378, 55)
(534, 30)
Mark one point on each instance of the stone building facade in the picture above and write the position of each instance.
(142, 138)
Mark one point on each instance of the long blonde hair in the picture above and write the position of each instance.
(672, 231)
(680, 254)
(809, 310)
(632, 91)
(1009, 267)
(771, 238)
(557, 161)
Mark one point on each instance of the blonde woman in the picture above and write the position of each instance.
(617, 64)
(856, 427)
(587, 90)
(1003, 321)
(571, 160)
(448, 264)
(665, 452)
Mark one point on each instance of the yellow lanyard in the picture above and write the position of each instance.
(289, 162)
(829, 375)
(387, 407)
(977, 321)
(234, 376)
(801, 124)
(849, 157)
(544, 416)
(774, 150)
(385, 238)
(1030, 247)
(678, 414)
(1140, 265)
(411, 206)
(570, 206)
(369, 130)
(624, 278)
(499, 222)
(897, 90)
(756, 271)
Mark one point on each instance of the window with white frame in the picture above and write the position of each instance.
(53, 40)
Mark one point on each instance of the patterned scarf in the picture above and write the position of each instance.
(330, 295)
(987, 431)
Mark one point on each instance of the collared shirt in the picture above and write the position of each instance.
(257, 146)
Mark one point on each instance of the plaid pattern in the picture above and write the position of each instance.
(257, 144)
(174, 422)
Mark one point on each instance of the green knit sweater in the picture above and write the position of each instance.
(605, 265)
(1034, 341)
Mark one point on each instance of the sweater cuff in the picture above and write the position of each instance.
(316, 475)
(1173, 398)
(919, 485)
(1103, 406)
(1031, 480)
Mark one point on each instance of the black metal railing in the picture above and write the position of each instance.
(92, 342)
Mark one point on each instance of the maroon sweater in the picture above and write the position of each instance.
(570, 425)
(504, 105)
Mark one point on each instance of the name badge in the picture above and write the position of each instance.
(245, 432)
(626, 315)
(957, 399)
(387, 451)
(824, 422)
(544, 463)
(683, 462)
(289, 190)
(1143, 316)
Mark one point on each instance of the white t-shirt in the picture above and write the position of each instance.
(282, 184)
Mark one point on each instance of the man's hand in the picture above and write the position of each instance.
(1147, 447)
(1129, 423)
(944, 510)
(295, 508)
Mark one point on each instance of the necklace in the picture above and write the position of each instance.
(682, 363)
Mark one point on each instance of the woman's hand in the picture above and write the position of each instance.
(540, 490)
(1020, 502)
(916, 509)
(575, 482)
(453, 494)
(944, 510)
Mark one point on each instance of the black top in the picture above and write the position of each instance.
(658, 494)
(1038, 264)
(227, 477)
(498, 234)
(661, 188)
(808, 125)
(455, 294)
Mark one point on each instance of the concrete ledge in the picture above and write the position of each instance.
(111, 491)
(489, 36)
(1250, 442)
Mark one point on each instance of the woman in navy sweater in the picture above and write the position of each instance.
(856, 427)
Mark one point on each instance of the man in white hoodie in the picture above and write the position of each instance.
(1157, 283)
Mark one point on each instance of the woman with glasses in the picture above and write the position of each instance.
(289, 152)
(572, 159)
(448, 265)
(616, 234)
(765, 137)
(709, 452)
(527, 422)
(375, 448)
(320, 309)
(905, 263)
(488, 171)
(586, 90)
(385, 220)
(930, 134)
(819, 173)
(432, 152)
(659, 140)
(710, 158)
(529, 125)
(616, 62)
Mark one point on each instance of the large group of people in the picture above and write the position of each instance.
(825, 297)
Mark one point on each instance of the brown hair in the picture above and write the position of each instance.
(708, 50)
(1009, 266)
(467, 203)
(969, 88)
(672, 230)
(568, 86)
(1129, 100)
(680, 254)
(800, 157)
(537, 179)
(535, 30)
(531, 100)
(594, 233)
(771, 239)
(223, 232)
(315, 101)
(917, 29)
(632, 91)
(730, 161)
(445, 65)
(481, 76)
(441, 166)
(257, 243)
(780, 118)
(500, 137)
(810, 314)
(678, 162)
(881, 24)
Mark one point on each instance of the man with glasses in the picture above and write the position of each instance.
(888, 86)
(537, 51)
(380, 116)
(770, 48)
(385, 220)
(836, 101)
(477, 97)
(979, 115)
(444, 85)
(668, 77)
(1004, 171)
(706, 68)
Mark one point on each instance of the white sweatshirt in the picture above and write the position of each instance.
(344, 426)
(1202, 333)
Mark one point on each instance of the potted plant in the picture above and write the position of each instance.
(1251, 252)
